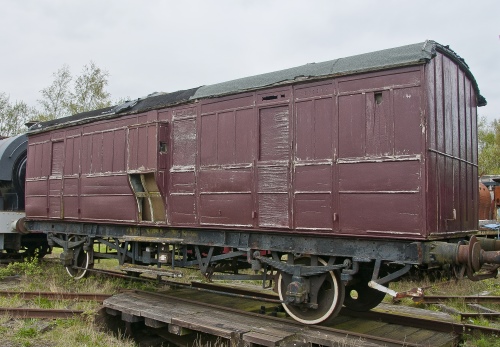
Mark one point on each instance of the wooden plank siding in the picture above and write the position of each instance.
(378, 154)
(452, 142)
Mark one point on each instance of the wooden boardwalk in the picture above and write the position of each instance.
(185, 311)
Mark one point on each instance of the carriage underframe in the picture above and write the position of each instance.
(314, 276)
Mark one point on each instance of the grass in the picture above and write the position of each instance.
(60, 333)
(49, 276)
(52, 277)
(446, 287)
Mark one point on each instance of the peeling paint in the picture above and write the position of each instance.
(379, 191)
(388, 232)
(416, 157)
(180, 168)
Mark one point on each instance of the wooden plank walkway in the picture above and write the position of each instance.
(181, 317)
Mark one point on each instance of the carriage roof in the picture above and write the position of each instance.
(414, 54)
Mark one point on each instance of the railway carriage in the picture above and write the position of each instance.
(330, 179)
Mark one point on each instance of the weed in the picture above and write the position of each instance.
(83, 338)
(29, 267)
(481, 341)
(27, 333)
(44, 303)
(86, 334)
(67, 323)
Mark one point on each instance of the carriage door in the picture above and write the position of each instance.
(273, 167)
(146, 165)
(55, 180)
(313, 164)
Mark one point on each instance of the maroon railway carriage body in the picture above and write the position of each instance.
(362, 161)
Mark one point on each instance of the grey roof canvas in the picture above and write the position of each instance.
(393, 57)
(418, 53)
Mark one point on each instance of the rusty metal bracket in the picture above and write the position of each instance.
(377, 284)
(393, 275)
(204, 262)
(65, 244)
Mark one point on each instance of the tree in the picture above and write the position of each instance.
(64, 98)
(60, 99)
(56, 97)
(89, 93)
(13, 117)
(489, 147)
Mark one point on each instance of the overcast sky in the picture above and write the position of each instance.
(152, 45)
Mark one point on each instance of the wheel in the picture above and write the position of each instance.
(359, 297)
(81, 262)
(330, 297)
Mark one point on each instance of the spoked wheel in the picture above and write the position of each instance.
(81, 261)
(359, 297)
(330, 297)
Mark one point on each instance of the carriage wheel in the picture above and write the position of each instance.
(81, 262)
(330, 297)
(359, 297)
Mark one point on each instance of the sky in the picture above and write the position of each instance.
(163, 46)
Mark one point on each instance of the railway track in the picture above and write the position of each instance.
(264, 302)
(437, 299)
(431, 324)
(472, 301)
(374, 315)
(55, 295)
(424, 323)
(39, 313)
(407, 319)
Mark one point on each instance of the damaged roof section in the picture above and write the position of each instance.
(150, 102)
